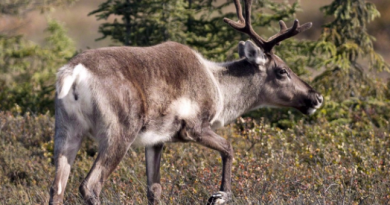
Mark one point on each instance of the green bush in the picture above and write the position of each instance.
(28, 70)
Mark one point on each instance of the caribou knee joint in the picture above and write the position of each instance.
(89, 195)
(228, 153)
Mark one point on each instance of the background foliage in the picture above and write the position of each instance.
(28, 70)
(337, 156)
(195, 23)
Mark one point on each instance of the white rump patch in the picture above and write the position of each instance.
(80, 73)
(75, 92)
(66, 85)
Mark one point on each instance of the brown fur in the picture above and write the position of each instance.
(153, 71)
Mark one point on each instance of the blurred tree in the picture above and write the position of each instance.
(21, 7)
(195, 23)
(28, 70)
(14, 12)
(216, 40)
(350, 55)
(142, 22)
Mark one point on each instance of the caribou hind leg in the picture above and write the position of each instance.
(67, 141)
(113, 145)
(65, 150)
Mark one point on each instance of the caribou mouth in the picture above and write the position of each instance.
(308, 110)
(311, 111)
(311, 104)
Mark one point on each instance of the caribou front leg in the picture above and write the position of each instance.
(211, 140)
(153, 158)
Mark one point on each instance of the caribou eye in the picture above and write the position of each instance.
(282, 72)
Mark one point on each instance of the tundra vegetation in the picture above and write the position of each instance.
(339, 155)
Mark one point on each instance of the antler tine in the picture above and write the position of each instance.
(285, 33)
(244, 24)
(240, 24)
(282, 25)
(283, 29)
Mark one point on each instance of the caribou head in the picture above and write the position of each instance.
(281, 86)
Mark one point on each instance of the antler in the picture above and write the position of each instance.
(244, 25)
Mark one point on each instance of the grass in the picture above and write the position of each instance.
(317, 163)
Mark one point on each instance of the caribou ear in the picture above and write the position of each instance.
(241, 49)
(254, 54)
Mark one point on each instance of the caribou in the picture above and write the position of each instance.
(149, 96)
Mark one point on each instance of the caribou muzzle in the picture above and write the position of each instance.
(312, 102)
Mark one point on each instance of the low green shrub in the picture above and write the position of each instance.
(321, 162)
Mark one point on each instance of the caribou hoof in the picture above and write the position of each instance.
(219, 198)
(154, 194)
